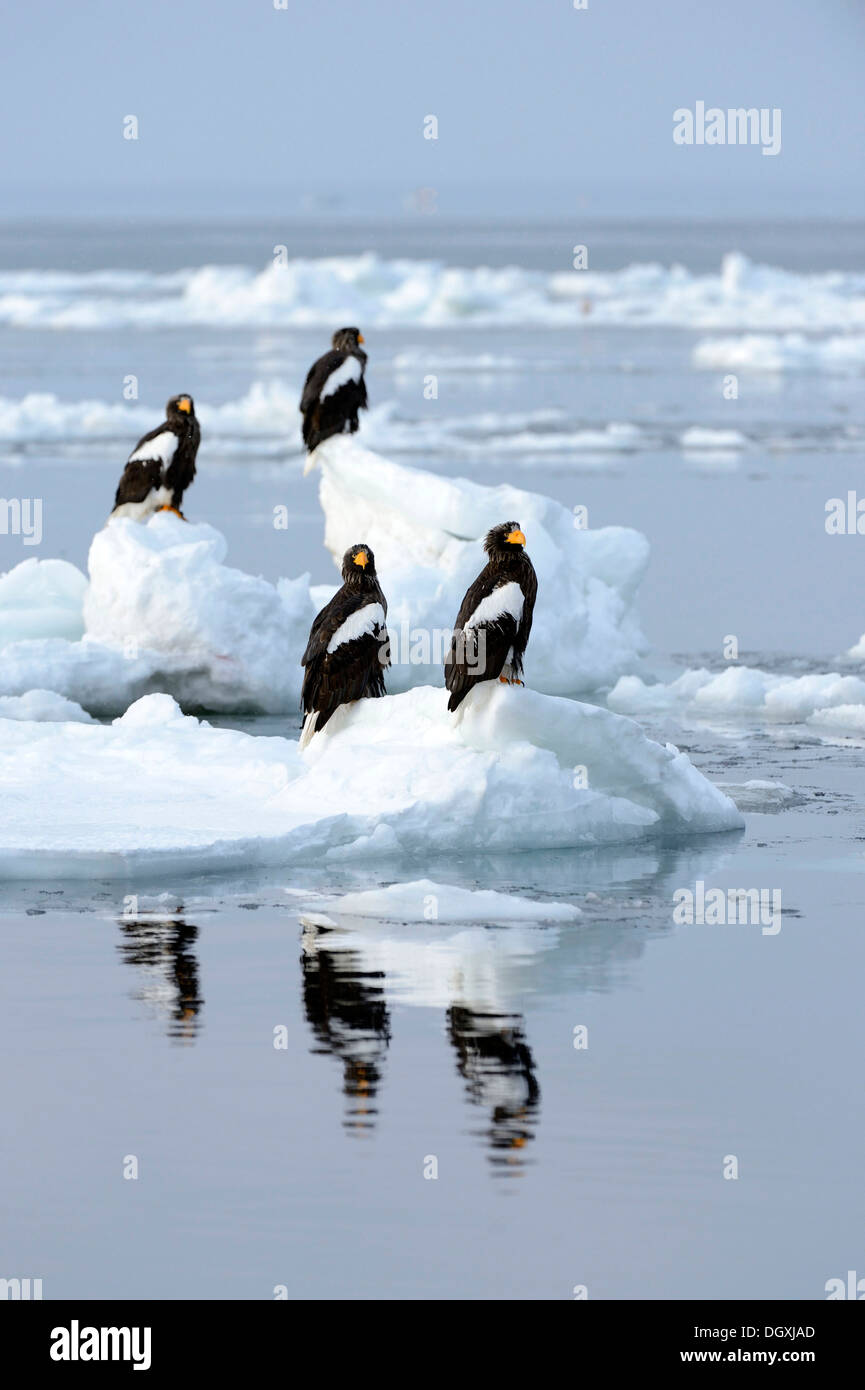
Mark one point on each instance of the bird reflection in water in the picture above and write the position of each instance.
(497, 1065)
(345, 1003)
(345, 1008)
(162, 948)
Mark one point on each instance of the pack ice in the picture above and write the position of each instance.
(160, 791)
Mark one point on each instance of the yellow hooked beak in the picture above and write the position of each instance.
(516, 538)
(361, 338)
(362, 559)
(184, 404)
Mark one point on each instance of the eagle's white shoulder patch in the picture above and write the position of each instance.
(357, 624)
(163, 447)
(349, 370)
(505, 601)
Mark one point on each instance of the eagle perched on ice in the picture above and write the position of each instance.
(162, 464)
(347, 652)
(495, 618)
(334, 390)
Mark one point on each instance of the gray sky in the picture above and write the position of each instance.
(541, 108)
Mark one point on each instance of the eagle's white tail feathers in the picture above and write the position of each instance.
(309, 726)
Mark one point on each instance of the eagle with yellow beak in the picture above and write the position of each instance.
(348, 651)
(161, 466)
(495, 618)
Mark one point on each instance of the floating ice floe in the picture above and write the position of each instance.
(163, 613)
(427, 534)
(757, 795)
(159, 791)
(831, 700)
(43, 706)
(847, 721)
(375, 292)
(425, 901)
(41, 598)
(700, 437)
(788, 352)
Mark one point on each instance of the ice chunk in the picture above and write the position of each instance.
(427, 534)
(41, 598)
(515, 771)
(757, 795)
(698, 437)
(42, 706)
(845, 720)
(163, 612)
(744, 690)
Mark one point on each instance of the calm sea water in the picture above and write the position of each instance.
(146, 1030)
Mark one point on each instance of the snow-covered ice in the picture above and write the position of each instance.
(817, 699)
(161, 791)
(427, 534)
(163, 612)
(847, 721)
(43, 706)
(41, 598)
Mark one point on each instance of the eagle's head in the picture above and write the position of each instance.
(180, 407)
(347, 339)
(358, 564)
(505, 540)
